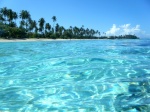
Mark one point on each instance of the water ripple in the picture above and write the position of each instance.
(93, 76)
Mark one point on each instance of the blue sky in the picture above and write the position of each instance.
(114, 17)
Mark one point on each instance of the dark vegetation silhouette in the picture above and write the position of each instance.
(29, 28)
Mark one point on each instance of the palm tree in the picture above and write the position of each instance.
(30, 24)
(92, 32)
(57, 28)
(61, 30)
(41, 24)
(47, 26)
(22, 23)
(34, 25)
(71, 29)
(82, 31)
(54, 20)
(1, 18)
(25, 15)
(10, 15)
(4, 13)
(99, 33)
(76, 31)
(104, 33)
(87, 32)
(15, 16)
(47, 29)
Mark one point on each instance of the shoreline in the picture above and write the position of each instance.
(45, 39)
(41, 39)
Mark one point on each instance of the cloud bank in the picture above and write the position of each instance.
(125, 29)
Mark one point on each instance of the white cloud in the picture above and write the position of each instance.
(113, 30)
(125, 29)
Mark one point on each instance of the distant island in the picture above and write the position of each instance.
(29, 28)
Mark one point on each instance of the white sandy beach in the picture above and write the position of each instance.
(31, 40)
(42, 39)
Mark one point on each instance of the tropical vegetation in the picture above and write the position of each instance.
(29, 28)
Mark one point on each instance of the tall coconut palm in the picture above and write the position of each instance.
(1, 18)
(57, 28)
(87, 32)
(25, 15)
(61, 30)
(76, 31)
(34, 25)
(10, 15)
(82, 30)
(99, 33)
(104, 33)
(92, 32)
(48, 26)
(30, 24)
(47, 29)
(22, 23)
(15, 16)
(41, 24)
(4, 14)
(54, 20)
(71, 29)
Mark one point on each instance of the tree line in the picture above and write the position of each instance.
(29, 28)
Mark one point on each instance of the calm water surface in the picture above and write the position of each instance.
(75, 76)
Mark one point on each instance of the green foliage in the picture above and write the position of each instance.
(25, 16)
(11, 32)
(29, 28)
(53, 36)
(48, 26)
(41, 24)
(122, 37)
(16, 33)
(33, 35)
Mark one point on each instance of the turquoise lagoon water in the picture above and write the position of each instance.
(75, 76)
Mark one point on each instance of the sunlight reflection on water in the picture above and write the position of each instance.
(102, 75)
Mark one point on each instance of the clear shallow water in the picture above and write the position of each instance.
(75, 76)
